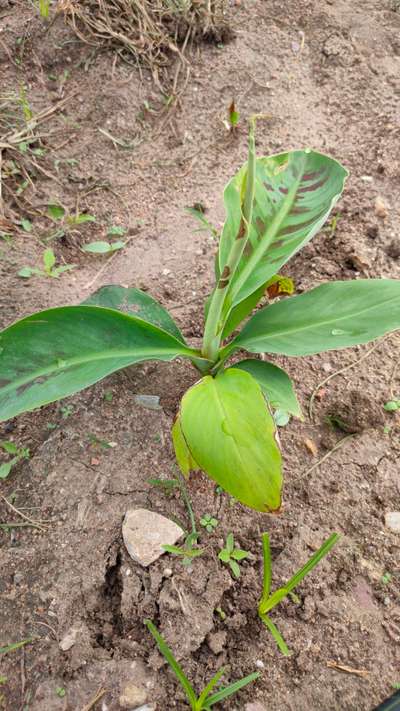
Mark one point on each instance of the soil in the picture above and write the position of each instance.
(327, 75)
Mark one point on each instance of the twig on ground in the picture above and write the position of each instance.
(37, 524)
(323, 459)
(99, 695)
(363, 673)
(339, 372)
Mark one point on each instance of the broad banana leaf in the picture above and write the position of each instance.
(136, 303)
(275, 384)
(329, 317)
(294, 194)
(55, 353)
(231, 435)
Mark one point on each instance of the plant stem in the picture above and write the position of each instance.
(214, 323)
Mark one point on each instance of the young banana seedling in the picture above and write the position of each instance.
(269, 601)
(274, 206)
(206, 698)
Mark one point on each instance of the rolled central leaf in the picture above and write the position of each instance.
(231, 435)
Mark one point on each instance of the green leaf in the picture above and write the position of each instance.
(231, 689)
(138, 304)
(230, 542)
(26, 225)
(243, 309)
(275, 384)
(238, 554)
(55, 353)
(224, 555)
(55, 211)
(60, 270)
(15, 645)
(329, 317)
(9, 447)
(176, 668)
(49, 259)
(116, 230)
(81, 219)
(208, 689)
(27, 272)
(234, 568)
(294, 194)
(6, 468)
(102, 247)
(231, 436)
(182, 452)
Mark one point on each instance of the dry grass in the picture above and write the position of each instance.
(150, 30)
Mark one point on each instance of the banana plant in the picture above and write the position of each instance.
(274, 206)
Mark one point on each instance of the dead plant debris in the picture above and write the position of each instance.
(150, 30)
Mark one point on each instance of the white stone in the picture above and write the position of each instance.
(392, 521)
(145, 532)
(132, 697)
(69, 639)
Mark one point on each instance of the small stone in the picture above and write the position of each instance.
(216, 641)
(260, 664)
(132, 697)
(392, 521)
(381, 209)
(326, 367)
(255, 706)
(151, 402)
(145, 532)
(69, 639)
(166, 272)
(393, 249)
(311, 446)
(146, 707)
(167, 572)
(18, 578)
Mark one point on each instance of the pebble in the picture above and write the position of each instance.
(260, 664)
(255, 706)
(381, 209)
(216, 641)
(145, 532)
(392, 521)
(69, 639)
(132, 697)
(151, 402)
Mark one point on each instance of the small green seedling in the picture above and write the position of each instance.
(102, 247)
(206, 698)
(209, 522)
(269, 601)
(274, 206)
(386, 578)
(17, 454)
(49, 267)
(392, 406)
(188, 551)
(230, 555)
(233, 117)
(61, 692)
(116, 230)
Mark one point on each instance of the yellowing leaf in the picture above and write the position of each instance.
(231, 435)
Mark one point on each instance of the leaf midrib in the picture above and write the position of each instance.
(138, 354)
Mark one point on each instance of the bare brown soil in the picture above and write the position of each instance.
(327, 74)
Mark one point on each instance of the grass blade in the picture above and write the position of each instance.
(232, 689)
(267, 574)
(276, 635)
(208, 689)
(176, 668)
(15, 645)
(314, 560)
(278, 595)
